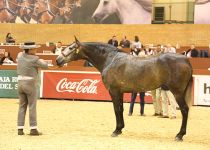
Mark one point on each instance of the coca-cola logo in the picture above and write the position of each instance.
(88, 86)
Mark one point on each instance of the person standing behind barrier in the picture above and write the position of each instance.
(27, 70)
(167, 96)
(139, 53)
(136, 43)
(156, 94)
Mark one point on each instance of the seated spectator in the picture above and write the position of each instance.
(124, 43)
(148, 50)
(169, 49)
(204, 53)
(113, 41)
(6, 59)
(159, 49)
(192, 52)
(142, 53)
(134, 51)
(10, 39)
(58, 49)
(0, 60)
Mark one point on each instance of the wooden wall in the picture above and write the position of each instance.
(184, 34)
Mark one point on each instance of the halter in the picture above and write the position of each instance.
(76, 48)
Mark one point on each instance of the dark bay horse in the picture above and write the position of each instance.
(122, 72)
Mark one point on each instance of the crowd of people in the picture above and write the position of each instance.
(136, 45)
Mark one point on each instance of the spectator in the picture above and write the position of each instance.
(158, 50)
(0, 60)
(7, 58)
(10, 39)
(140, 53)
(124, 43)
(169, 49)
(156, 102)
(148, 50)
(156, 94)
(136, 46)
(136, 43)
(168, 97)
(58, 49)
(192, 52)
(113, 41)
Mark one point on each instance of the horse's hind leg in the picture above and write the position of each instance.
(117, 99)
(184, 110)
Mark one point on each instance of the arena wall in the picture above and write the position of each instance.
(183, 34)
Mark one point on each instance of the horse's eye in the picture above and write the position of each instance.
(106, 2)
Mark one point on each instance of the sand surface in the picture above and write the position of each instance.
(83, 125)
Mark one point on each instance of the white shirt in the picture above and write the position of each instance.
(136, 44)
(58, 50)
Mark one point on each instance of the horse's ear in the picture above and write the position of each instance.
(77, 41)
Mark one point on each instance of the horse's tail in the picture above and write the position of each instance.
(188, 93)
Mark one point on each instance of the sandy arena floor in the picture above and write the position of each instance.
(82, 125)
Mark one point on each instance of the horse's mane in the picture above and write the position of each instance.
(200, 2)
(103, 46)
(146, 4)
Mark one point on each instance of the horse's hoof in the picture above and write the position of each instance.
(178, 139)
(115, 134)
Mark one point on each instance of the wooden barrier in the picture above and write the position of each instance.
(197, 63)
(14, 50)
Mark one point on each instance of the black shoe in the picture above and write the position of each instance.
(156, 114)
(142, 115)
(35, 132)
(130, 114)
(163, 116)
(20, 132)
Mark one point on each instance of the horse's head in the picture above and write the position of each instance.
(26, 9)
(70, 53)
(104, 9)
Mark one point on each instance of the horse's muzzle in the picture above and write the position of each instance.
(59, 62)
(96, 18)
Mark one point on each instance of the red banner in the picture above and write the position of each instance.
(77, 85)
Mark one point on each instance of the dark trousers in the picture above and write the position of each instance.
(133, 98)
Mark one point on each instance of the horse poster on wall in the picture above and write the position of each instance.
(202, 11)
(76, 11)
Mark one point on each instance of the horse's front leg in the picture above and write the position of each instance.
(117, 99)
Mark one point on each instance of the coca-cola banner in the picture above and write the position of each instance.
(76, 85)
